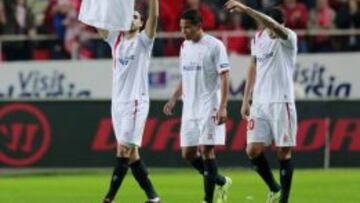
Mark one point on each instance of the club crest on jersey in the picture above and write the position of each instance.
(126, 60)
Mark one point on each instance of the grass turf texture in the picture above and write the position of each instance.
(176, 186)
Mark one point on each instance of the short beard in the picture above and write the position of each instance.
(133, 29)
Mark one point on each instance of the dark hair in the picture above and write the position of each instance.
(193, 16)
(276, 14)
(143, 19)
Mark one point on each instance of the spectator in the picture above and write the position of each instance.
(58, 15)
(2, 16)
(2, 22)
(209, 22)
(343, 21)
(76, 40)
(169, 21)
(170, 11)
(17, 20)
(354, 7)
(236, 44)
(269, 3)
(208, 15)
(322, 17)
(248, 22)
(27, 17)
(296, 17)
(38, 9)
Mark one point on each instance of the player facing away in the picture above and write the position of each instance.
(131, 53)
(204, 85)
(272, 116)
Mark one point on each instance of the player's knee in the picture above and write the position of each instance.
(253, 151)
(284, 153)
(134, 155)
(189, 155)
(124, 151)
(207, 152)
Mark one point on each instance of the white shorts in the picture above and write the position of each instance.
(203, 131)
(272, 122)
(129, 119)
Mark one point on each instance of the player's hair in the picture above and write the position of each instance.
(143, 20)
(276, 14)
(193, 16)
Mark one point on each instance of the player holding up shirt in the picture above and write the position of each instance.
(131, 51)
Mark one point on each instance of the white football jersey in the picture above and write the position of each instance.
(131, 61)
(201, 64)
(275, 64)
(112, 15)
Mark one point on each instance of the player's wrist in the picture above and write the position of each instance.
(245, 100)
(173, 99)
(223, 106)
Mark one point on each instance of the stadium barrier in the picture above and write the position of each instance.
(63, 118)
(316, 77)
(80, 134)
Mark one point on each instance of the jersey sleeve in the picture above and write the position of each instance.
(112, 37)
(221, 58)
(181, 58)
(146, 40)
(291, 41)
(252, 47)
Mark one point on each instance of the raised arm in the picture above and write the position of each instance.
(152, 21)
(2, 14)
(267, 21)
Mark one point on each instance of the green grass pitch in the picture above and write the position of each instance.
(176, 186)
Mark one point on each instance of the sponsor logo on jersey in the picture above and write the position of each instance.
(264, 57)
(192, 67)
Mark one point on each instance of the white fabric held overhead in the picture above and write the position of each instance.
(113, 15)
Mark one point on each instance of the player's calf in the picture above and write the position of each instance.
(286, 172)
(141, 175)
(118, 175)
(262, 167)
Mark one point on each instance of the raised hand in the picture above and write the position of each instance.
(233, 5)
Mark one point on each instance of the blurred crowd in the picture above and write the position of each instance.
(74, 40)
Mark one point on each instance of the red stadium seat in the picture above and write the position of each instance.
(2, 56)
(41, 54)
